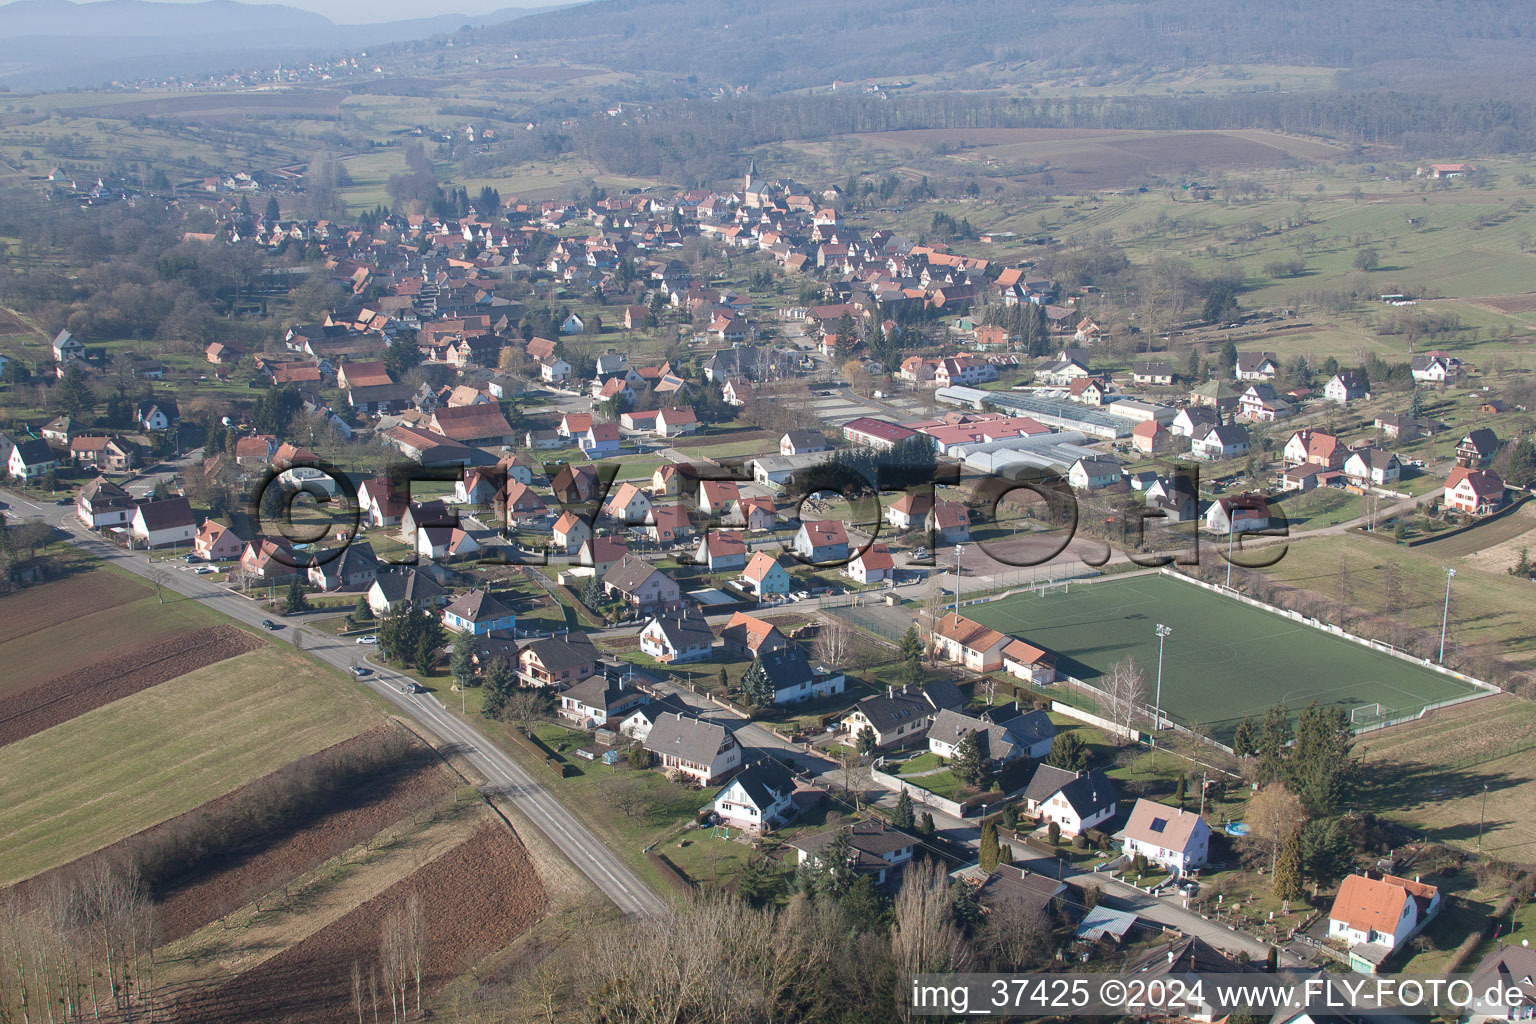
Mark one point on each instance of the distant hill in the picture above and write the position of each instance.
(795, 43)
(52, 44)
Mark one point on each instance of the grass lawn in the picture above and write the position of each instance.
(1225, 660)
(922, 763)
(121, 768)
(628, 809)
(944, 784)
(1488, 606)
(1430, 775)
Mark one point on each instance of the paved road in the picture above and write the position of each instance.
(610, 874)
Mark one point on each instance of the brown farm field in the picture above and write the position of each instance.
(1089, 158)
(123, 767)
(1427, 775)
(42, 628)
(124, 673)
(475, 898)
(218, 884)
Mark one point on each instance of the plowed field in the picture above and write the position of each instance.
(123, 673)
(475, 899)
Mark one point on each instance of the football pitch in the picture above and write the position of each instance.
(1224, 660)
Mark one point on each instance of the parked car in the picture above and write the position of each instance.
(270, 625)
(368, 639)
(205, 570)
(65, 501)
(190, 559)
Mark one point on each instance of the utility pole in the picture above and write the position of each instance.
(1163, 633)
(1231, 533)
(958, 549)
(1481, 817)
(1445, 613)
(1204, 782)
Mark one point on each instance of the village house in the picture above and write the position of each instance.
(600, 441)
(477, 612)
(949, 522)
(558, 661)
(636, 724)
(1086, 801)
(404, 587)
(1154, 373)
(803, 442)
(352, 567)
(1030, 663)
(721, 551)
(444, 543)
(676, 421)
(757, 514)
(1150, 436)
(102, 504)
(1260, 404)
(643, 587)
(570, 532)
(1003, 734)
(1223, 441)
(1256, 366)
(677, 638)
(1477, 448)
(716, 497)
(1373, 466)
(765, 577)
(1171, 838)
(910, 510)
(269, 559)
(109, 453)
(878, 850)
(1093, 474)
(1435, 368)
(900, 717)
(822, 541)
(1315, 447)
(760, 798)
(703, 752)
(160, 524)
(601, 553)
(32, 459)
(746, 636)
(1192, 421)
(1503, 986)
(598, 699)
(791, 677)
(1243, 513)
(1377, 914)
(872, 565)
(1477, 492)
(969, 643)
(628, 504)
(667, 524)
(1345, 386)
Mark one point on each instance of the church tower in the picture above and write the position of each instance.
(746, 183)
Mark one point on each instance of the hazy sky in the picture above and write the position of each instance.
(352, 12)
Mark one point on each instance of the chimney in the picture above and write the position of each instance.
(890, 691)
(1171, 955)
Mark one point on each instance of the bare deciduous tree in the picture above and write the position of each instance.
(1274, 814)
(1126, 691)
(924, 938)
(832, 644)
